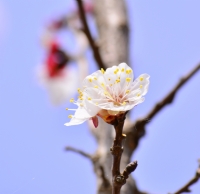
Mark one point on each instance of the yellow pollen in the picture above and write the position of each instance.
(127, 91)
(128, 79)
(124, 103)
(110, 84)
(117, 80)
(109, 79)
(95, 78)
(122, 70)
(138, 94)
(71, 100)
(81, 105)
(95, 86)
(102, 84)
(89, 98)
(66, 109)
(141, 78)
(96, 103)
(128, 71)
(80, 97)
(115, 72)
(78, 89)
(70, 116)
(141, 86)
(90, 79)
(102, 70)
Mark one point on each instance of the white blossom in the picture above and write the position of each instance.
(61, 87)
(109, 93)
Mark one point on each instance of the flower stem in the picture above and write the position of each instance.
(117, 178)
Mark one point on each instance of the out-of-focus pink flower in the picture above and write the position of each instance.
(109, 93)
(56, 76)
(56, 60)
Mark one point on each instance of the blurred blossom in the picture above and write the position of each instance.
(60, 79)
(108, 94)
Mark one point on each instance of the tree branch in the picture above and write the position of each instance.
(82, 153)
(89, 36)
(185, 188)
(105, 181)
(119, 179)
(139, 126)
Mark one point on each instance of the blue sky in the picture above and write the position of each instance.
(165, 43)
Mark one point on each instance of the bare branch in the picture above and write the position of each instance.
(139, 126)
(105, 181)
(89, 36)
(185, 188)
(170, 97)
(82, 153)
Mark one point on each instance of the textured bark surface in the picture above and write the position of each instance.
(112, 23)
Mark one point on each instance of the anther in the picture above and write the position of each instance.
(72, 100)
(128, 79)
(141, 78)
(102, 70)
(70, 116)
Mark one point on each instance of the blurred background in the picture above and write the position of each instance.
(165, 43)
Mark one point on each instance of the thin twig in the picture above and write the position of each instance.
(140, 124)
(89, 36)
(119, 179)
(82, 153)
(185, 188)
(105, 181)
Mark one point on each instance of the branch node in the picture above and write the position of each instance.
(116, 150)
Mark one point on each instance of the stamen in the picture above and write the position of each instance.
(128, 79)
(141, 78)
(122, 70)
(128, 71)
(95, 86)
(141, 86)
(127, 91)
(117, 80)
(70, 116)
(71, 100)
(90, 79)
(102, 70)
(89, 98)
